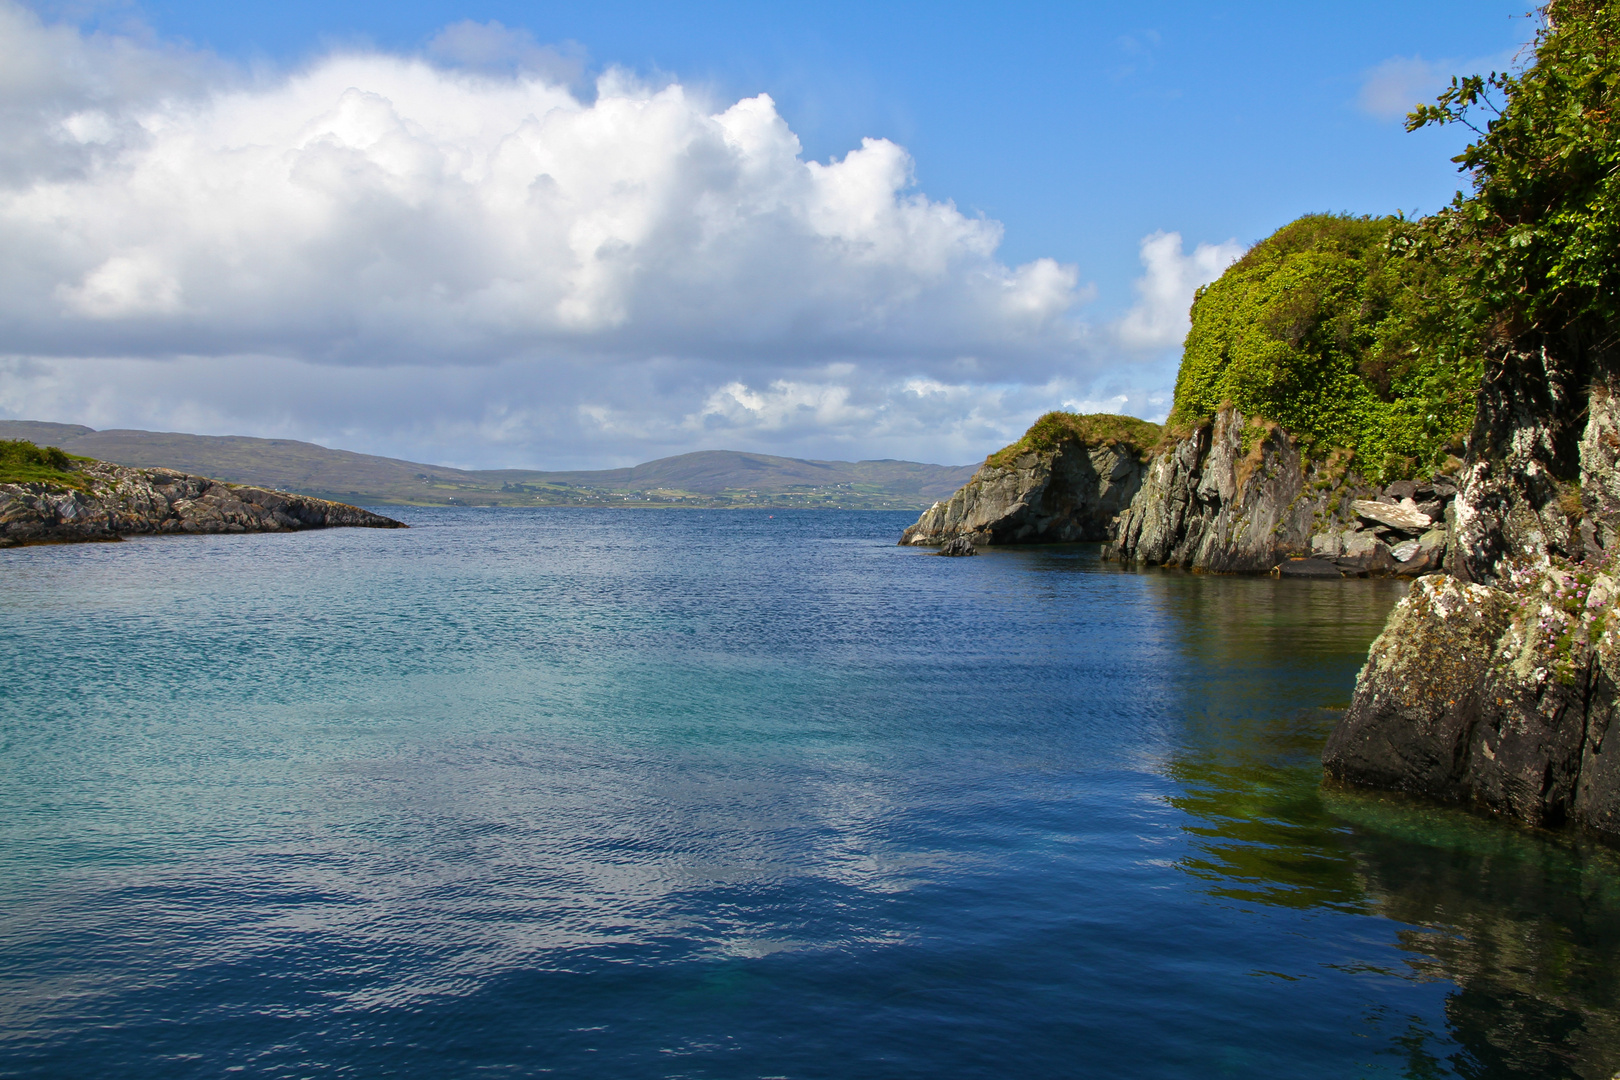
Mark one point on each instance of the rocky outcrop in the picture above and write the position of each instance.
(115, 501)
(1497, 697)
(1238, 496)
(1070, 492)
(1496, 686)
(958, 547)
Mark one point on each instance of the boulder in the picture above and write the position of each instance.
(1404, 550)
(1502, 698)
(1402, 489)
(1403, 517)
(960, 545)
(1409, 724)
(1365, 555)
(1328, 544)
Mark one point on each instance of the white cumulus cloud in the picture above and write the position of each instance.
(1398, 85)
(1394, 87)
(376, 207)
(1165, 290)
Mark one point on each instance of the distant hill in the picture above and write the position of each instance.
(705, 478)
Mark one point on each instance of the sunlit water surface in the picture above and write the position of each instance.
(722, 794)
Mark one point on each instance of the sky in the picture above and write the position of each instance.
(577, 235)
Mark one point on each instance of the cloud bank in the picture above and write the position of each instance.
(466, 258)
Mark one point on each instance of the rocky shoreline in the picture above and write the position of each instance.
(1235, 496)
(1495, 684)
(1501, 698)
(109, 502)
(1238, 495)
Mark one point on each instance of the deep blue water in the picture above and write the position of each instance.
(721, 794)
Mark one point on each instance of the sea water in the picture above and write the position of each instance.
(631, 793)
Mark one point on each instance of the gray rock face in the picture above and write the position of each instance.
(124, 502)
(958, 546)
(1502, 698)
(1501, 692)
(1209, 503)
(1541, 479)
(1062, 495)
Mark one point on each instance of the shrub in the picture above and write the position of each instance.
(21, 462)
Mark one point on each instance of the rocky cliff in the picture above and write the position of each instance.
(1239, 496)
(1066, 480)
(1495, 685)
(105, 502)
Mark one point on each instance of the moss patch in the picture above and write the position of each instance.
(1092, 429)
(21, 462)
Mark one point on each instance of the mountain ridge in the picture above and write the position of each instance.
(727, 478)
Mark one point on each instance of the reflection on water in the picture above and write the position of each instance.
(1525, 923)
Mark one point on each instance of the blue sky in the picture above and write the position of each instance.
(1082, 129)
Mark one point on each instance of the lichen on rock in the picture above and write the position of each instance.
(1497, 696)
(1406, 727)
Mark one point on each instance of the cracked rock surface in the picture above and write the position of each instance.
(1498, 697)
(1496, 685)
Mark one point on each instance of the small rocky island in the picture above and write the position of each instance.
(48, 497)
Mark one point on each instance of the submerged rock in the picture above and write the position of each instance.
(117, 501)
(1309, 568)
(959, 545)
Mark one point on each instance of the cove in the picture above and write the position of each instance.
(722, 794)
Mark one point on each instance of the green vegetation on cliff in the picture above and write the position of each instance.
(21, 462)
(1088, 429)
(1536, 243)
(1325, 329)
(1369, 334)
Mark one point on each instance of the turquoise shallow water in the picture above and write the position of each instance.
(722, 794)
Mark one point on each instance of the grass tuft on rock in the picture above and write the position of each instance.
(1090, 429)
(22, 462)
